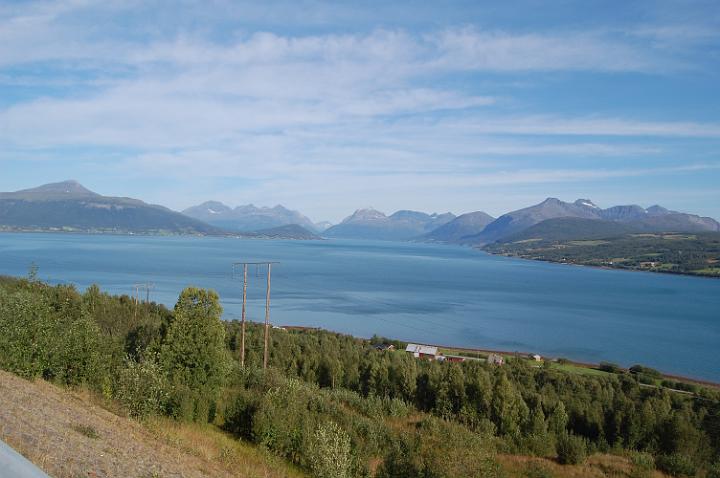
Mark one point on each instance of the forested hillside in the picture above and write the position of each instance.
(338, 407)
(695, 254)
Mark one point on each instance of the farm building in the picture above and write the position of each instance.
(495, 359)
(425, 351)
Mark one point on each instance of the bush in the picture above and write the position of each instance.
(609, 367)
(676, 464)
(643, 465)
(645, 379)
(239, 415)
(282, 420)
(27, 333)
(329, 452)
(439, 448)
(643, 460)
(641, 369)
(79, 359)
(142, 388)
(572, 449)
(38, 340)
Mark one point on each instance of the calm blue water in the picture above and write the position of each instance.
(416, 292)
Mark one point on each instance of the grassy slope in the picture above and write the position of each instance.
(597, 466)
(72, 433)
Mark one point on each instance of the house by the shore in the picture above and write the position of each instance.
(422, 351)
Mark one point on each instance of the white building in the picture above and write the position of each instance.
(422, 350)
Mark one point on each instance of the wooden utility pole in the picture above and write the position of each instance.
(244, 308)
(267, 316)
(242, 334)
(147, 286)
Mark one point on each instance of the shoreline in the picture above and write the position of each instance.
(590, 365)
(607, 268)
(484, 351)
(229, 235)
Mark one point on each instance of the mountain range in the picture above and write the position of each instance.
(635, 218)
(462, 226)
(402, 225)
(68, 206)
(249, 217)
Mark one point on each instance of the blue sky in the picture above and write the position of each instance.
(328, 107)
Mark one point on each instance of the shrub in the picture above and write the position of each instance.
(643, 460)
(78, 359)
(641, 369)
(329, 452)
(26, 334)
(571, 449)
(239, 415)
(643, 465)
(676, 464)
(39, 340)
(282, 420)
(687, 387)
(142, 388)
(86, 430)
(609, 367)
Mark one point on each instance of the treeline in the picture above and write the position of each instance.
(538, 411)
(335, 405)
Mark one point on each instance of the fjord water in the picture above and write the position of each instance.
(416, 292)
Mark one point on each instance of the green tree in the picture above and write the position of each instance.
(193, 351)
(558, 420)
(509, 410)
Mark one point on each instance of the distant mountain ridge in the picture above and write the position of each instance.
(462, 226)
(571, 228)
(370, 223)
(62, 190)
(69, 206)
(249, 217)
(654, 218)
(288, 231)
(521, 219)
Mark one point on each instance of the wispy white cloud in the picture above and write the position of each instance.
(309, 115)
(472, 49)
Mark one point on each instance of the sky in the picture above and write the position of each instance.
(327, 107)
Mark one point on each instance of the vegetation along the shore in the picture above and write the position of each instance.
(695, 254)
(338, 407)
